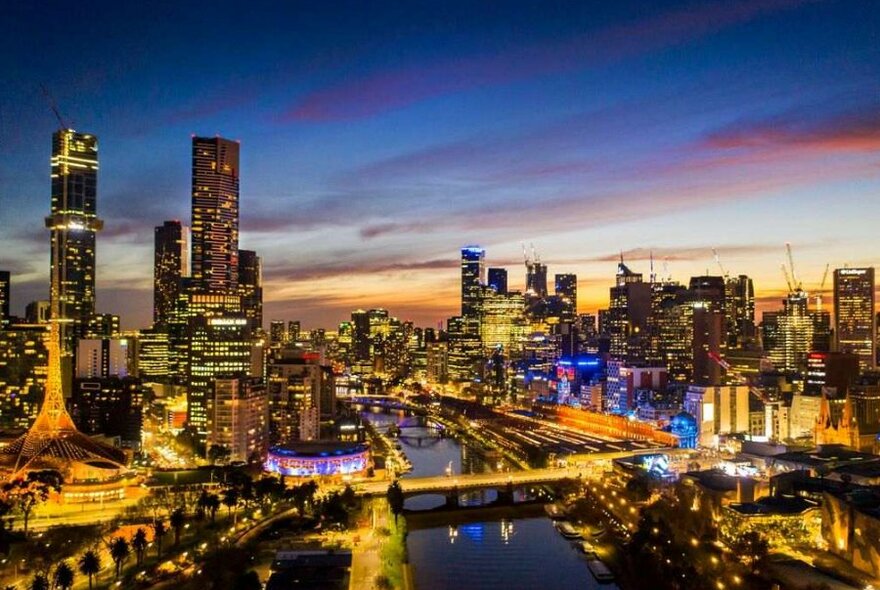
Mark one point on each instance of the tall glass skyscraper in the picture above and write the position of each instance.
(170, 266)
(854, 315)
(215, 168)
(473, 277)
(73, 223)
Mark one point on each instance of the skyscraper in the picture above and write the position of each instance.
(4, 297)
(740, 311)
(215, 172)
(170, 265)
(473, 277)
(854, 315)
(536, 278)
(627, 317)
(73, 223)
(498, 280)
(566, 289)
(250, 286)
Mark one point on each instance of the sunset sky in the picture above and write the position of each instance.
(377, 139)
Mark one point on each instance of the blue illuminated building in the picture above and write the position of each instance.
(571, 376)
(310, 459)
(684, 426)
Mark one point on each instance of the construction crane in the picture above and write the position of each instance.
(794, 280)
(821, 287)
(756, 391)
(62, 124)
(787, 279)
(724, 272)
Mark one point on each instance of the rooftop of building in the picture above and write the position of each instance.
(318, 449)
(714, 479)
(775, 505)
(829, 456)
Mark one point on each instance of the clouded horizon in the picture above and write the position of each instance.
(376, 140)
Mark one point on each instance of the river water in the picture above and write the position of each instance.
(522, 553)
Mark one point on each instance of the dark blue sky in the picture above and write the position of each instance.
(378, 138)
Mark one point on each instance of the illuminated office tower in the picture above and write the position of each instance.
(220, 347)
(789, 334)
(627, 317)
(498, 280)
(566, 290)
(740, 311)
(277, 333)
(294, 328)
(250, 286)
(4, 297)
(170, 266)
(854, 315)
(503, 322)
(473, 277)
(215, 170)
(238, 418)
(73, 223)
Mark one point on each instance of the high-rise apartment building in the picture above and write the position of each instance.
(238, 418)
(627, 317)
(215, 184)
(473, 277)
(740, 311)
(73, 223)
(854, 313)
(4, 297)
(250, 286)
(566, 290)
(170, 266)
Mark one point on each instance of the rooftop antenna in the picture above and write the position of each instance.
(653, 277)
(62, 124)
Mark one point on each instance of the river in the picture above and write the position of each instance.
(520, 553)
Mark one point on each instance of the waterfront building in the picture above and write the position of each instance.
(301, 394)
(215, 204)
(313, 459)
(170, 266)
(854, 313)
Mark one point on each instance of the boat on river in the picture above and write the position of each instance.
(566, 530)
(600, 571)
(555, 511)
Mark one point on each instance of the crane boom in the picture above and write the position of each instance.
(724, 272)
(62, 124)
(795, 282)
(787, 279)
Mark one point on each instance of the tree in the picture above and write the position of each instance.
(395, 499)
(211, 503)
(177, 520)
(230, 499)
(219, 454)
(139, 544)
(752, 548)
(119, 552)
(40, 582)
(63, 576)
(27, 492)
(159, 531)
(89, 565)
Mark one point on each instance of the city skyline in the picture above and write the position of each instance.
(360, 181)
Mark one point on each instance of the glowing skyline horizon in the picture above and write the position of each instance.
(377, 142)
